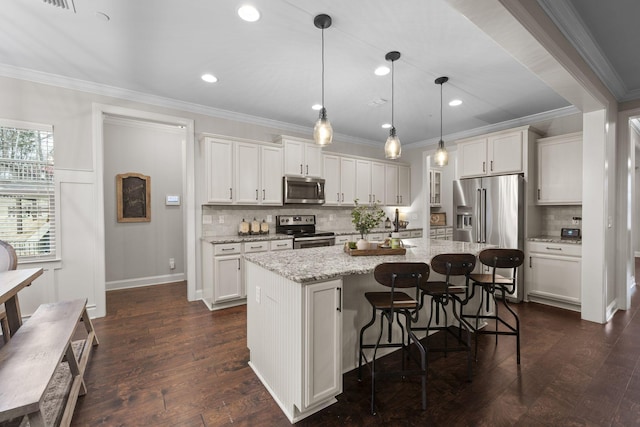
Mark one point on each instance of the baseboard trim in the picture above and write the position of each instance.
(144, 281)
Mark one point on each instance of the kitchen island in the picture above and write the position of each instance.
(304, 312)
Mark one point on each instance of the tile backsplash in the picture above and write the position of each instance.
(554, 218)
(327, 218)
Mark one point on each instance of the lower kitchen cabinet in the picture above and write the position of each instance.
(223, 270)
(227, 281)
(322, 341)
(553, 274)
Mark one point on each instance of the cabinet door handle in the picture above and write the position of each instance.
(230, 193)
(307, 169)
(369, 198)
(338, 200)
(530, 262)
(256, 194)
(226, 249)
(300, 168)
(538, 194)
(339, 299)
(483, 166)
(342, 197)
(553, 249)
(238, 263)
(401, 199)
(491, 165)
(281, 245)
(264, 194)
(373, 197)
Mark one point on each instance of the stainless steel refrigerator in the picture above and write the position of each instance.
(491, 210)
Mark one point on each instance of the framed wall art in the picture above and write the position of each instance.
(133, 194)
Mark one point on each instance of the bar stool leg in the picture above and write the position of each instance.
(373, 364)
(361, 355)
(517, 331)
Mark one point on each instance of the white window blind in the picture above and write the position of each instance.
(27, 189)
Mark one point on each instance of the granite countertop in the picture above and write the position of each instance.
(325, 263)
(554, 239)
(241, 239)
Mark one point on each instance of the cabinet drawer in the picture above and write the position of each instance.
(561, 249)
(341, 240)
(416, 233)
(227, 248)
(256, 246)
(404, 234)
(377, 237)
(432, 233)
(279, 245)
(440, 231)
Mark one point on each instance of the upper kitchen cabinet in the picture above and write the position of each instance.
(243, 172)
(301, 157)
(497, 153)
(560, 170)
(435, 187)
(219, 170)
(370, 182)
(398, 185)
(340, 180)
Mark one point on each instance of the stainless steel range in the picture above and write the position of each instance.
(303, 230)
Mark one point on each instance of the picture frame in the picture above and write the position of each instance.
(133, 196)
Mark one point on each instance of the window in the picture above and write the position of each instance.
(27, 188)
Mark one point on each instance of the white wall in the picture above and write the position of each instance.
(137, 253)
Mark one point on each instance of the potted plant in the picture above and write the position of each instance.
(365, 218)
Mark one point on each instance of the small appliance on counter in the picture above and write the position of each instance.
(570, 234)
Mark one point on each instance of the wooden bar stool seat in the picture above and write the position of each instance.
(407, 275)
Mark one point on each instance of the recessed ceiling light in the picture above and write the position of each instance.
(455, 103)
(386, 126)
(316, 107)
(248, 13)
(209, 78)
(382, 71)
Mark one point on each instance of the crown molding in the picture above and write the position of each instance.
(509, 124)
(568, 21)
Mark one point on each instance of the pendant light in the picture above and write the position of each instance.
(322, 131)
(441, 156)
(392, 148)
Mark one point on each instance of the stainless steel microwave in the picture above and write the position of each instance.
(303, 190)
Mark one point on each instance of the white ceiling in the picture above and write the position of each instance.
(270, 69)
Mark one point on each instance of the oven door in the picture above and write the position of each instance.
(313, 242)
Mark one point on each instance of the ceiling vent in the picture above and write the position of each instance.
(65, 4)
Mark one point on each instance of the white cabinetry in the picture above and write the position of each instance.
(363, 182)
(560, 170)
(301, 158)
(243, 172)
(341, 240)
(498, 153)
(553, 274)
(227, 268)
(377, 183)
(441, 233)
(219, 170)
(223, 270)
(340, 180)
(398, 185)
(435, 186)
(416, 233)
(322, 338)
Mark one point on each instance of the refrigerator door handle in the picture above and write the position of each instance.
(484, 216)
(479, 217)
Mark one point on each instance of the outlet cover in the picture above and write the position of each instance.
(269, 218)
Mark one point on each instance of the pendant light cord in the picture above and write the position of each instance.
(392, 93)
(441, 111)
(322, 68)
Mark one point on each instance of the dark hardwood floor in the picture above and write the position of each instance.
(163, 361)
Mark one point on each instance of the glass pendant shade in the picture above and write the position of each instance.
(441, 156)
(392, 148)
(322, 131)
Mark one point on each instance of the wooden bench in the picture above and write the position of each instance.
(32, 356)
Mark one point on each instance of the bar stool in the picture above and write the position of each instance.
(443, 292)
(492, 282)
(395, 275)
